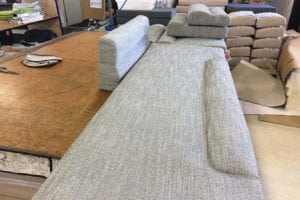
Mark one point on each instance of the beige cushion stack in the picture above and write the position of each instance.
(270, 28)
(240, 36)
(183, 5)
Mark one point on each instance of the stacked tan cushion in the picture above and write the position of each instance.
(265, 53)
(270, 32)
(242, 18)
(240, 51)
(236, 60)
(264, 63)
(239, 41)
(267, 43)
(269, 20)
(240, 31)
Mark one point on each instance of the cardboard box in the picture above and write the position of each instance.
(289, 59)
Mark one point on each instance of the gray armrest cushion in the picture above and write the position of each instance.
(120, 50)
(200, 14)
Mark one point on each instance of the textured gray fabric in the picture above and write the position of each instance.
(267, 43)
(155, 32)
(269, 19)
(200, 14)
(239, 41)
(178, 27)
(265, 53)
(120, 50)
(219, 43)
(225, 148)
(166, 38)
(241, 31)
(171, 130)
(270, 32)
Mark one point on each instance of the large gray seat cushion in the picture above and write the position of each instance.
(172, 130)
(178, 27)
(200, 14)
(121, 49)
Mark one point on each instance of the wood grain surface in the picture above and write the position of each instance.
(42, 111)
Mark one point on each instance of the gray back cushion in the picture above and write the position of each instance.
(120, 50)
(200, 14)
(178, 27)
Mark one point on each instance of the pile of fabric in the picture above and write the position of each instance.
(240, 36)
(270, 28)
(23, 13)
(200, 22)
(183, 5)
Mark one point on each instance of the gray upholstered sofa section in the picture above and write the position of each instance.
(178, 27)
(172, 130)
(200, 14)
(120, 49)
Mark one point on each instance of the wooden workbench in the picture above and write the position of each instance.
(43, 110)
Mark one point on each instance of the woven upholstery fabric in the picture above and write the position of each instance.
(236, 60)
(269, 19)
(240, 51)
(264, 63)
(178, 27)
(162, 135)
(239, 41)
(242, 18)
(241, 31)
(155, 32)
(265, 53)
(270, 32)
(166, 38)
(221, 3)
(267, 43)
(200, 14)
(120, 50)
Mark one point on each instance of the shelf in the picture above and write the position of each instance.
(5, 25)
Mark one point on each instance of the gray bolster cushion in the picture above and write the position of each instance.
(178, 27)
(231, 152)
(121, 49)
(200, 14)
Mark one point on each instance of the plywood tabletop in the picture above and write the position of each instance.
(43, 110)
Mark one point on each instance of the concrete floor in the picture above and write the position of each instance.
(277, 150)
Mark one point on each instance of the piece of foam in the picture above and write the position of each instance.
(242, 18)
(236, 31)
